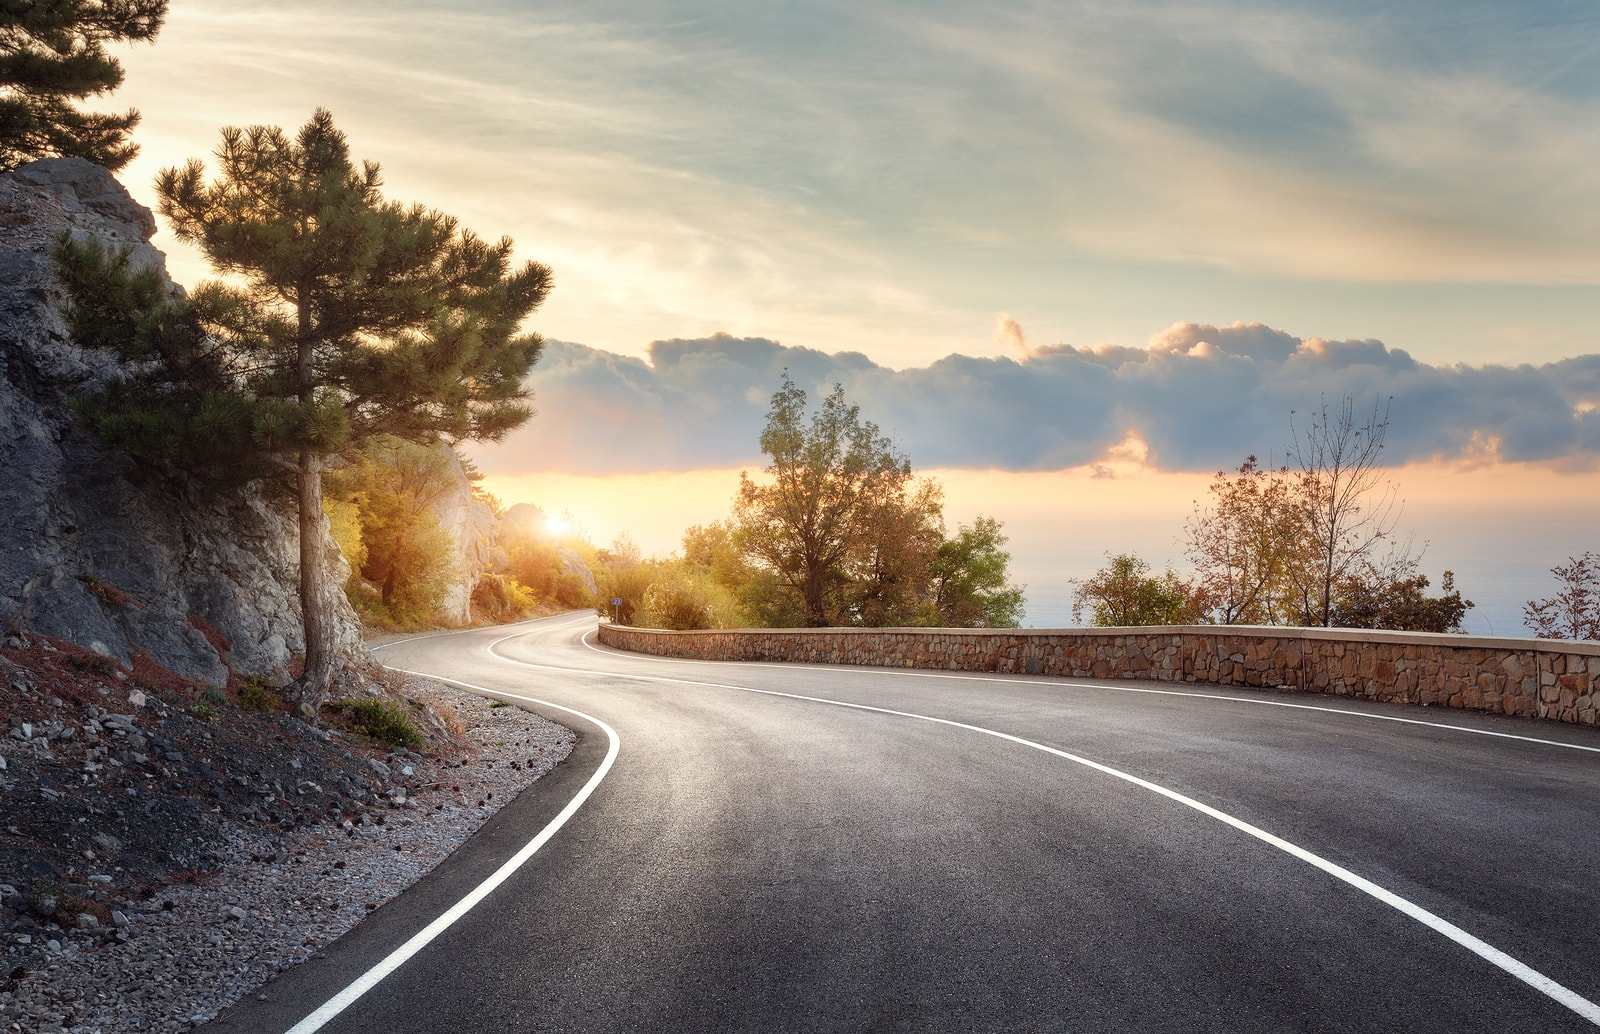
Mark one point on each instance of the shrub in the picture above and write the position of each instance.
(92, 662)
(685, 599)
(499, 598)
(256, 695)
(384, 720)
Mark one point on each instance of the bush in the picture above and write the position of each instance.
(683, 599)
(498, 599)
(256, 695)
(386, 721)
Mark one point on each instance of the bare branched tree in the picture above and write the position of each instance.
(1349, 507)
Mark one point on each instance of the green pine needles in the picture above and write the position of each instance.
(343, 316)
(52, 54)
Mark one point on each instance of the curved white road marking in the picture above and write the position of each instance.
(397, 958)
(610, 651)
(1484, 950)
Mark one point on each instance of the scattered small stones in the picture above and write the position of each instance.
(169, 959)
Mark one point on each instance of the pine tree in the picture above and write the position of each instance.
(343, 317)
(52, 54)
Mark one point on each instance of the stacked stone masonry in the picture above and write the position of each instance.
(1552, 679)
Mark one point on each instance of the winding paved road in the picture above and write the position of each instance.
(762, 847)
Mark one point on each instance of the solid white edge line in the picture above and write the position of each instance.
(1488, 952)
(397, 958)
(1050, 680)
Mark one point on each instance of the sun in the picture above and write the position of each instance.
(557, 526)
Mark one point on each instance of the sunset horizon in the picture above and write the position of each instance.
(968, 231)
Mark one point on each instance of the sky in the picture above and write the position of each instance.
(1073, 257)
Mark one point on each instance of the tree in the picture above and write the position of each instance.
(1348, 509)
(1249, 544)
(343, 317)
(52, 54)
(891, 569)
(1574, 611)
(405, 551)
(970, 588)
(1394, 596)
(829, 480)
(1123, 593)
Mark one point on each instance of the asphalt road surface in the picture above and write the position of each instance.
(762, 847)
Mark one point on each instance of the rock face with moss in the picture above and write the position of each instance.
(120, 557)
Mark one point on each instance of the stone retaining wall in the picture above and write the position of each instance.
(1554, 679)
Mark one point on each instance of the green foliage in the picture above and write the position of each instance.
(1284, 547)
(537, 564)
(342, 317)
(890, 567)
(404, 551)
(828, 482)
(387, 721)
(1123, 594)
(970, 580)
(682, 597)
(255, 694)
(629, 583)
(181, 400)
(499, 599)
(204, 710)
(839, 532)
(364, 316)
(53, 54)
(344, 524)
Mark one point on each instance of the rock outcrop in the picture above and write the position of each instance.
(476, 531)
(96, 548)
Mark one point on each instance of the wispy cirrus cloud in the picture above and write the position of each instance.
(884, 175)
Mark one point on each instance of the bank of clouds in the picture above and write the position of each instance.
(1199, 398)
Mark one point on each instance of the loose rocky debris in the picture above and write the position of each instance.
(166, 850)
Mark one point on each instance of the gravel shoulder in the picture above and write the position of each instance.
(166, 853)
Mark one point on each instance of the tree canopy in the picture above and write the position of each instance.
(1124, 594)
(52, 55)
(343, 317)
(833, 481)
(839, 532)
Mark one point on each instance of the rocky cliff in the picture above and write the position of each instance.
(94, 547)
(476, 532)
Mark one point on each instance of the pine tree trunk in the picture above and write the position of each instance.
(312, 687)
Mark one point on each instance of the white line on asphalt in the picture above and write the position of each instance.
(1516, 968)
(397, 958)
(1057, 681)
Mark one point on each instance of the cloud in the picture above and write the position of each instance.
(1008, 335)
(1198, 398)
